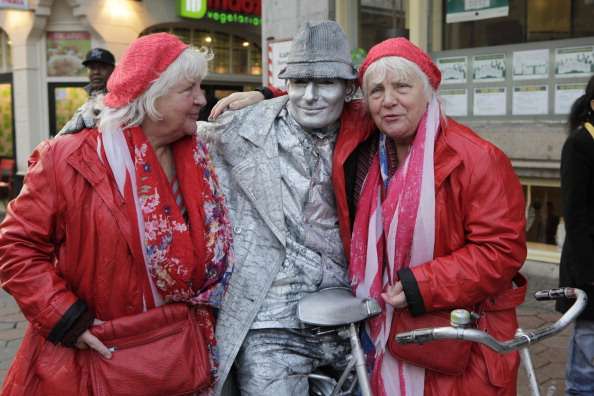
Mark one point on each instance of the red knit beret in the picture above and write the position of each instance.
(403, 48)
(143, 62)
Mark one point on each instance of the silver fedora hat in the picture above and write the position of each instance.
(319, 50)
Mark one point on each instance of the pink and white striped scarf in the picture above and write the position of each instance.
(401, 228)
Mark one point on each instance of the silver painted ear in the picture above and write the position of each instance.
(350, 91)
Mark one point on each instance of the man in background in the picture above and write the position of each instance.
(100, 64)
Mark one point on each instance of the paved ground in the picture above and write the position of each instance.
(548, 356)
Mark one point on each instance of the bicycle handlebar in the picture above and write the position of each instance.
(421, 336)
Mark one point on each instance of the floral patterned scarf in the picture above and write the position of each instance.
(187, 261)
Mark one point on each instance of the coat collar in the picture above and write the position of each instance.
(446, 157)
(256, 128)
(86, 161)
(258, 172)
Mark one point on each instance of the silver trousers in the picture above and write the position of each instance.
(277, 362)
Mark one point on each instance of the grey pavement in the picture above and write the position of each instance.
(548, 356)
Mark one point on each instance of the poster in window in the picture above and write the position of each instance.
(455, 102)
(20, 4)
(65, 53)
(489, 101)
(278, 52)
(488, 68)
(453, 70)
(565, 95)
(473, 10)
(530, 100)
(574, 62)
(530, 65)
(68, 100)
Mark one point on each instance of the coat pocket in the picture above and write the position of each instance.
(59, 371)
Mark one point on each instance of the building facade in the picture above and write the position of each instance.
(511, 70)
(42, 44)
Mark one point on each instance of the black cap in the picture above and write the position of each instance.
(99, 55)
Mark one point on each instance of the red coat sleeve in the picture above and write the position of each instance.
(28, 246)
(276, 92)
(495, 246)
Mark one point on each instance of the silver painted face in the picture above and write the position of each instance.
(316, 103)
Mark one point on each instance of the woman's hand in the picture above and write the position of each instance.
(88, 340)
(235, 101)
(394, 295)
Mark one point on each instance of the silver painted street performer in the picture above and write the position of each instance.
(274, 165)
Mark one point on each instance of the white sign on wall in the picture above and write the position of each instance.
(453, 70)
(530, 99)
(574, 62)
(278, 52)
(489, 101)
(565, 95)
(529, 65)
(455, 102)
(488, 68)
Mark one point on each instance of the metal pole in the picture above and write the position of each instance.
(357, 353)
(527, 363)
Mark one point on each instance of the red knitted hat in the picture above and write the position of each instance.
(144, 60)
(403, 48)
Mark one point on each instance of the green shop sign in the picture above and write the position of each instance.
(222, 11)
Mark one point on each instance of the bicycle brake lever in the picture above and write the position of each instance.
(554, 294)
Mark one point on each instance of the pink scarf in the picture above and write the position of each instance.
(401, 228)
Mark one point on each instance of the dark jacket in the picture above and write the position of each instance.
(577, 195)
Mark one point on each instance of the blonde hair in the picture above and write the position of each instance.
(191, 64)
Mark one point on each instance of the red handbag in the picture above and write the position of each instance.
(158, 352)
(445, 356)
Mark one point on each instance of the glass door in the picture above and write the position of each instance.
(64, 100)
(7, 139)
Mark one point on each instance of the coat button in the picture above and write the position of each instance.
(237, 229)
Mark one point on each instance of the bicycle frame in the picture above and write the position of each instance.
(338, 307)
(522, 339)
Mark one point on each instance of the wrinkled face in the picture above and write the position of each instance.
(397, 105)
(98, 74)
(316, 103)
(180, 108)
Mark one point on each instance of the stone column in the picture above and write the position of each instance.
(25, 28)
(347, 15)
(417, 20)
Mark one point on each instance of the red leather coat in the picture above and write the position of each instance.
(66, 237)
(479, 245)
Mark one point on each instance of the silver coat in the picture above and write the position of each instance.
(244, 150)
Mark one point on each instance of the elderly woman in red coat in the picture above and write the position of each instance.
(432, 217)
(435, 216)
(115, 223)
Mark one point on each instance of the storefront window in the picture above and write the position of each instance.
(232, 54)
(240, 55)
(527, 21)
(221, 44)
(379, 20)
(5, 53)
(543, 215)
(6, 135)
(65, 99)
